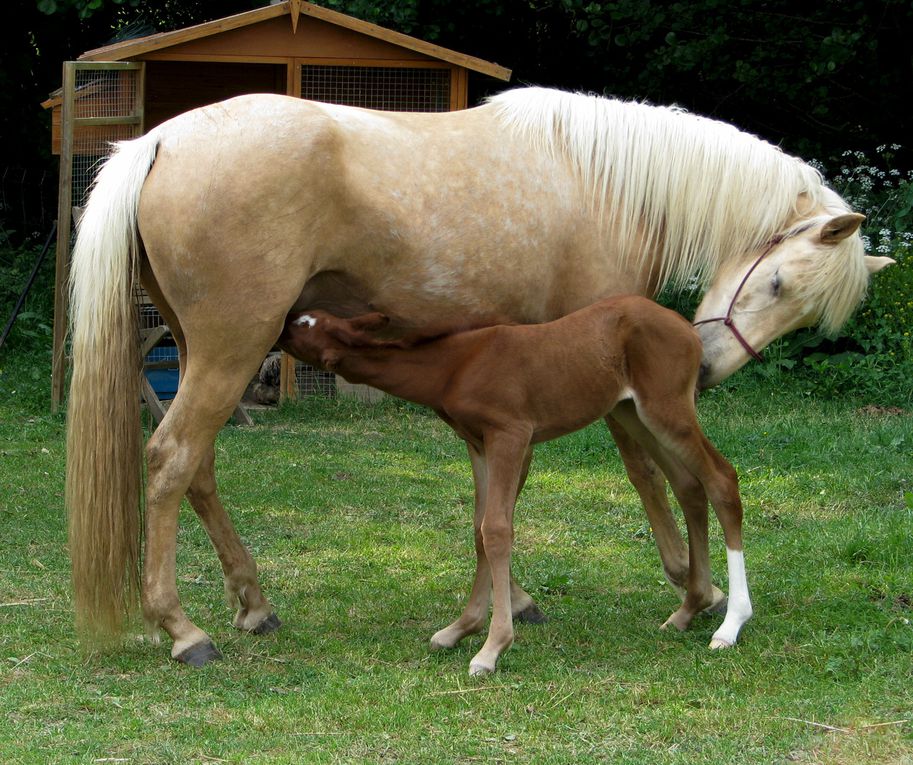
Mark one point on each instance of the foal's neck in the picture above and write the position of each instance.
(419, 374)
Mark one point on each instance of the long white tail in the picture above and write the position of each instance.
(104, 438)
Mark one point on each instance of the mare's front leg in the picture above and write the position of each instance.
(650, 483)
(242, 588)
(505, 453)
(699, 590)
(522, 605)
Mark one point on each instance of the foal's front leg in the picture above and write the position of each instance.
(472, 620)
(505, 454)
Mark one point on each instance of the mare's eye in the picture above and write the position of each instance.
(775, 284)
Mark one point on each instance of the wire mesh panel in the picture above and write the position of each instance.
(378, 87)
(310, 381)
(107, 99)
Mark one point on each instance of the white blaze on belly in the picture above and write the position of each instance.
(306, 319)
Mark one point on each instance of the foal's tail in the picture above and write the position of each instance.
(104, 438)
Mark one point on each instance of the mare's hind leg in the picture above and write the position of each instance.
(650, 484)
(242, 588)
(206, 398)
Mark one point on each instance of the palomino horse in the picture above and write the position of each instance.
(522, 210)
(505, 388)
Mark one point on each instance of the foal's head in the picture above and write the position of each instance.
(319, 338)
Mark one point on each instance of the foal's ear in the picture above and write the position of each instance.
(329, 359)
(370, 322)
(839, 228)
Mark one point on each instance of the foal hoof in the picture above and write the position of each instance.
(532, 614)
(270, 624)
(199, 654)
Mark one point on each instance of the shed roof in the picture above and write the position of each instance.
(135, 48)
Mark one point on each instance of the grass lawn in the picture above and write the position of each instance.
(360, 519)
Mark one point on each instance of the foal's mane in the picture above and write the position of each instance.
(702, 189)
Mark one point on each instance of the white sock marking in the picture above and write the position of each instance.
(738, 609)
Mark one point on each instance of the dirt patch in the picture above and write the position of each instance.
(872, 410)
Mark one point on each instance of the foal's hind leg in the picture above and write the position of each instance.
(699, 591)
(675, 424)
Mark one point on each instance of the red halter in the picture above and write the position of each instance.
(727, 319)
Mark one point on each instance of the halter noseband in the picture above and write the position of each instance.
(727, 319)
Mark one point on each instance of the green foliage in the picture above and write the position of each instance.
(32, 328)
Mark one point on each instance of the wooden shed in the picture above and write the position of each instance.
(293, 47)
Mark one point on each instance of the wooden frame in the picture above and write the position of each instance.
(69, 123)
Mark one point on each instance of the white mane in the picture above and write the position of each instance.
(701, 189)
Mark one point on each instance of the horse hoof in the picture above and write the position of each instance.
(270, 624)
(532, 614)
(199, 654)
(478, 670)
(718, 643)
(441, 644)
(719, 607)
(672, 621)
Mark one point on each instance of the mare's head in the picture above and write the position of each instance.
(815, 272)
(319, 338)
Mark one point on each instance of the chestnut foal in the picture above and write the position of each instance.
(505, 388)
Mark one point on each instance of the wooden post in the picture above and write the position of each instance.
(64, 222)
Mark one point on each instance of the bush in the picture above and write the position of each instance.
(32, 328)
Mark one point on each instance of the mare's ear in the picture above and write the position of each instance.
(370, 322)
(839, 228)
(875, 264)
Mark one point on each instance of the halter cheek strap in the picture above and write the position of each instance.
(727, 319)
